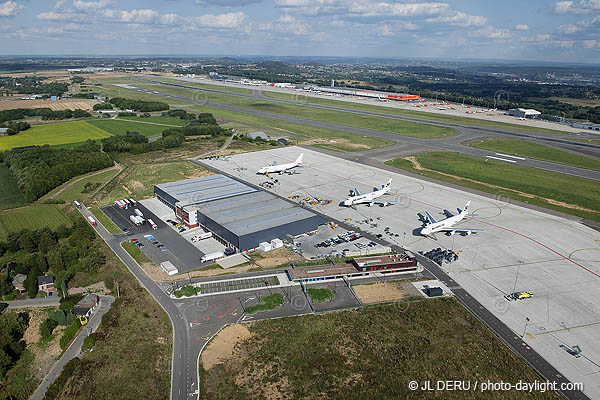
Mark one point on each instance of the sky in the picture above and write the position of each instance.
(567, 31)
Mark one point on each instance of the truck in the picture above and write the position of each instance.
(134, 219)
(204, 235)
(139, 213)
(119, 204)
(77, 204)
(133, 202)
(212, 256)
(126, 202)
(152, 224)
(92, 221)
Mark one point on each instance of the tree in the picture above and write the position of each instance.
(26, 242)
(5, 286)
(47, 241)
(31, 284)
(55, 261)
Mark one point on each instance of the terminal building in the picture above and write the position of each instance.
(238, 215)
(524, 113)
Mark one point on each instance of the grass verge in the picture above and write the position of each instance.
(135, 252)
(320, 295)
(537, 151)
(568, 194)
(105, 221)
(369, 353)
(119, 127)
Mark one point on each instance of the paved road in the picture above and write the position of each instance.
(29, 303)
(74, 349)
(449, 144)
(184, 369)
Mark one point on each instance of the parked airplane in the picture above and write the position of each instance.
(281, 168)
(368, 198)
(432, 226)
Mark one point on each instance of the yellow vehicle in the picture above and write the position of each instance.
(82, 319)
(318, 198)
(348, 219)
(307, 199)
(313, 203)
(524, 295)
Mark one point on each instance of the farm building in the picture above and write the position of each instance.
(238, 215)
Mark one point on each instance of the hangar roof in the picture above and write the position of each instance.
(208, 188)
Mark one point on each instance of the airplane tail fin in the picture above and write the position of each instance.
(387, 184)
(465, 210)
(299, 159)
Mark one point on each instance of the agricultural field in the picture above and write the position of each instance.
(119, 127)
(54, 134)
(10, 194)
(369, 353)
(56, 105)
(139, 180)
(538, 151)
(568, 194)
(157, 119)
(35, 216)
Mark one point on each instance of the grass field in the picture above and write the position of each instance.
(158, 119)
(320, 295)
(35, 216)
(568, 194)
(538, 151)
(54, 134)
(370, 353)
(10, 194)
(139, 180)
(77, 191)
(300, 98)
(105, 221)
(406, 128)
(119, 127)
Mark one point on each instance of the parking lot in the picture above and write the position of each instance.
(344, 298)
(260, 282)
(179, 251)
(328, 242)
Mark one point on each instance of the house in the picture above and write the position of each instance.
(3, 131)
(46, 285)
(257, 134)
(18, 281)
(86, 306)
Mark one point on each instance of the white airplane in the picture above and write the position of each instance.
(368, 198)
(281, 168)
(432, 226)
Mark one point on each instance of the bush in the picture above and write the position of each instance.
(3, 306)
(103, 106)
(127, 114)
(69, 334)
(47, 327)
(69, 302)
(89, 342)
(64, 376)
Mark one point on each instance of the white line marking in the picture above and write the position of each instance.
(509, 156)
(501, 159)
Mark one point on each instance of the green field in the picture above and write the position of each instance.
(10, 194)
(369, 353)
(119, 127)
(140, 179)
(266, 303)
(300, 98)
(54, 134)
(538, 151)
(320, 295)
(525, 184)
(407, 128)
(35, 216)
(77, 190)
(158, 119)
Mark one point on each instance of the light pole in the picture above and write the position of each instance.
(524, 329)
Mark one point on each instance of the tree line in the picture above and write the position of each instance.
(38, 170)
(46, 114)
(138, 105)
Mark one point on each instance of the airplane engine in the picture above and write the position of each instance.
(469, 233)
(451, 233)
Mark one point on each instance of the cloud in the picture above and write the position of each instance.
(59, 4)
(9, 8)
(91, 5)
(460, 18)
(569, 29)
(286, 24)
(579, 7)
(59, 16)
(491, 32)
(522, 27)
(382, 9)
(227, 3)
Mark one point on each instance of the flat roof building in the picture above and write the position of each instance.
(238, 215)
(524, 112)
(404, 262)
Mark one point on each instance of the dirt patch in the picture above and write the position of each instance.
(275, 258)
(224, 344)
(381, 292)
(198, 173)
(47, 354)
(137, 185)
(337, 141)
(55, 105)
(99, 287)
(417, 165)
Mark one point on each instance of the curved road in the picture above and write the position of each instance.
(448, 144)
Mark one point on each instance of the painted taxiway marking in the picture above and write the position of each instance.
(509, 156)
(246, 317)
(501, 159)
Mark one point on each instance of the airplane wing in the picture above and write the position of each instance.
(462, 230)
(430, 217)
